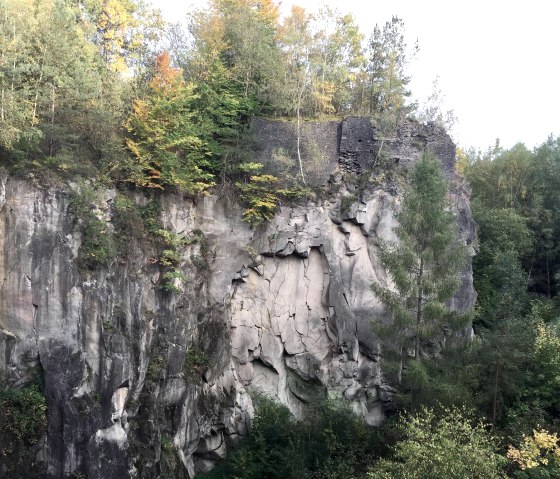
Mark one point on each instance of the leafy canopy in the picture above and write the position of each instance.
(450, 446)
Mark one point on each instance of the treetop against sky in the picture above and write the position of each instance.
(493, 60)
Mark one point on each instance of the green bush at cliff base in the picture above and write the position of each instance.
(22, 422)
(331, 443)
(451, 445)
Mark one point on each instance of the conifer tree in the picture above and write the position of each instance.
(423, 269)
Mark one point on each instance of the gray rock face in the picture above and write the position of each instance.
(284, 311)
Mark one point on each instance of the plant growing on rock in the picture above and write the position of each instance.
(98, 246)
(195, 363)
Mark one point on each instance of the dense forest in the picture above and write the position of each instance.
(111, 94)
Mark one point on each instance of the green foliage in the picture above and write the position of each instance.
(387, 76)
(60, 108)
(133, 223)
(98, 248)
(331, 443)
(172, 281)
(263, 193)
(22, 422)
(515, 205)
(174, 155)
(195, 363)
(156, 364)
(177, 130)
(517, 219)
(150, 214)
(171, 246)
(424, 266)
(451, 446)
(260, 194)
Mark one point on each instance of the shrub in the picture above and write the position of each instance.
(331, 443)
(22, 422)
(98, 246)
(196, 362)
(451, 446)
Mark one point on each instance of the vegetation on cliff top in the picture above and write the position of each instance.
(110, 91)
(106, 90)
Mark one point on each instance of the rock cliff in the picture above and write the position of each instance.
(145, 383)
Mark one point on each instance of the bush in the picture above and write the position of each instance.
(331, 443)
(196, 362)
(98, 246)
(22, 421)
(451, 446)
(538, 457)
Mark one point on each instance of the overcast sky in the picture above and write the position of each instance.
(498, 61)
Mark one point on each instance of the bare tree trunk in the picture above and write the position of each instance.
(298, 132)
(34, 113)
(53, 104)
(247, 78)
(379, 152)
(2, 62)
(414, 391)
(15, 62)
(399, 373)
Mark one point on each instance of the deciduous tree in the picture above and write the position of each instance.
(453, 446)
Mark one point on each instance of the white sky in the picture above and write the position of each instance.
(498, 61)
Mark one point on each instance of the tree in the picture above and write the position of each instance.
(526, 183)
(297, 40)
(336, 55)
(431, 109)
(165, 137)
(451, 446)
(125, 31)
(424, 270)
(177, 131)
(538, 456)
(16, 116)
(241, 36)
(388, 82)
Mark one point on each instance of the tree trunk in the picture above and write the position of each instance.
(298, 133)
(378, 152)
(419, 279)
(399, 373)
(53, 105)
(2, 62)
(34, 113)
(495, 395)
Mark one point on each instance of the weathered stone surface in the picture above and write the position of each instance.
(284, 310)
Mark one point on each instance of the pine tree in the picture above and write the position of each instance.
(388, 82)
(424, 271)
